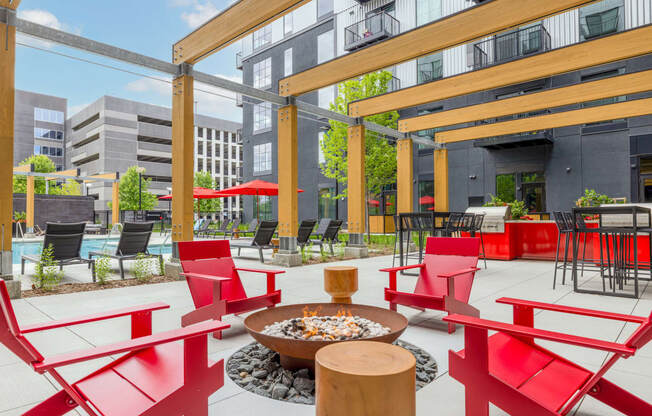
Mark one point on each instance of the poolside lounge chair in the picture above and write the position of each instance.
(66, 240)
(219, 230)
(321, 228)
(329, 236)
(305, 230)
(133, 241)
(234, 228)
(154, 375)
(251, 228)
(262, 240)
(203, 227)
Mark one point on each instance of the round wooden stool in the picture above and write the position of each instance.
(365, 378)
(340, 282)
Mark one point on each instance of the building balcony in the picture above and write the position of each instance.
(429, 71)
(374, 28)
(394, 84)
(512, 45)
(525, 139)
(602, 23)
(238, 60)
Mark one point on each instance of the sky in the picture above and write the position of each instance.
(149, 27)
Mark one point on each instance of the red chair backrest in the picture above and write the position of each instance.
(211, 258)
(642, 335)
(447, 255)
(10, 335)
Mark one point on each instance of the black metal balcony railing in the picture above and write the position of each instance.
(429, 71)
(238, 60)
(602, 23)
(372, 29)
(512, 45)
(394, 84)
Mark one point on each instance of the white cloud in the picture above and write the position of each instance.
(211, 101)
(201, 11)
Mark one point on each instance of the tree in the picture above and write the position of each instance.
(69, 187)
(380, 154)
(205, 180)
(129, 185)
(42, 164)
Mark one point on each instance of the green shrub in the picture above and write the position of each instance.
(102, 269)
(593, 199)
(143, 268)
(517, 208)
(47, 276)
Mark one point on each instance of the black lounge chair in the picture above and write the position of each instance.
(251, 228)
(133, 241)
(219, 230)
(203, 227)
(321, 228)
(262, 240)
(305, 230)
(234, 228)
(66, 240)
(329, 236)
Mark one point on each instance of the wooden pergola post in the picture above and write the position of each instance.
(356, 190)
(404, 176)
(29, 205)
(115, 200)
(441, 180)
(182, 159)
(288, 181)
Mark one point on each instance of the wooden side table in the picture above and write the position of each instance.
(340, 282)
(365, 378)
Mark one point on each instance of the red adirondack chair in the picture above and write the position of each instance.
(156, 377)
(511, 371)
(445, 278)
(215, 284)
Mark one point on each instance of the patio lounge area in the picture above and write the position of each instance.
(445, 396)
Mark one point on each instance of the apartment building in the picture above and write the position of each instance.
(547, 169)
(113, 134)
(39, 127)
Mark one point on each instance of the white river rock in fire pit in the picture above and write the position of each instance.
(340, 327)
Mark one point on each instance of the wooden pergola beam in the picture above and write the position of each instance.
(69, 172)
(453, 30)
(233, 23)
(10, 4)
(557, 97)
(624, 45)
(596, 114)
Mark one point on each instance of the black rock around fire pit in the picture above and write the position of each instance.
(300, 353)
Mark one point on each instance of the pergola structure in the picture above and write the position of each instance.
(484, 19)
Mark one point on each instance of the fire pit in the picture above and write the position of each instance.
(297, 341)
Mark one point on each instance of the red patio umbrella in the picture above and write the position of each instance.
(199, 193)
(256, 187)
(426, 200)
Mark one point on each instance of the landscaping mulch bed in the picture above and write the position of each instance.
(88, 287)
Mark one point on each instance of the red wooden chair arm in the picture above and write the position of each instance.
(459, 272)
(398, 269)
(526, 331)
(206, 277)
(94, 318)
(572, 310)
(268, 272)
(191, 331)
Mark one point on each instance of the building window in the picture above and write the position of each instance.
(262, 37)
(324, 8)
(263, 207)
(200, 132)
(326, 97)
(506, 187)
(288, 23)
(288, 63)
(430, 68)
(429, 133)
(263, 158)
(533, 188)
(37, 149)
(262, 116)
(200, 147)
(41, 133)
(320, 156)
(426, 196)
(428, 11)
(263, 74)
(209, 134)
(326, 203)
(51, 116)
(200, 164)
(325, 47)
(602, 18)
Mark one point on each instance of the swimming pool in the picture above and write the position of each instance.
(109, 244)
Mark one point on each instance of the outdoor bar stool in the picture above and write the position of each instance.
(453, 224)
(565, 229)
(476, 228)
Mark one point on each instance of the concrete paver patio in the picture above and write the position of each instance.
(21, 387)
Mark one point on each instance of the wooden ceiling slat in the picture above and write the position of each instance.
(624, 45)
(615, 111)
(456, 29)
(588, 91)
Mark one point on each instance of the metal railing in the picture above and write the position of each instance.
(430, 71)
(511, 45)
(546, 132)
(394, 84)
(371, 29)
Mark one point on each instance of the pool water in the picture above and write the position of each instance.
(104, 244)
